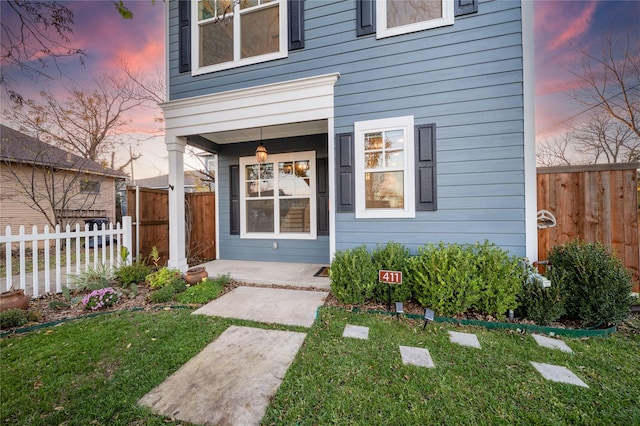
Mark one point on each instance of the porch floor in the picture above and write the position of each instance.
(276, 273)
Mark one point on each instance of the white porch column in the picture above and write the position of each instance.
(177, 237)
(530, 177)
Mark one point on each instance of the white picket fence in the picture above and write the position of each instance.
(63, 244)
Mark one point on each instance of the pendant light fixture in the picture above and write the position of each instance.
(261, 151)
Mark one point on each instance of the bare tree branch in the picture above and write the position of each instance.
(555, 151)
(602, 138)
(86, 123)
(612, 82)
(33, 36)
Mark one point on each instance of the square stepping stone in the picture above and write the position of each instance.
(557, 373)
(551, 343)
(464, 339)
(416, 356)
(356, 331)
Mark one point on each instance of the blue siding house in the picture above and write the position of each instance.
(343, 122)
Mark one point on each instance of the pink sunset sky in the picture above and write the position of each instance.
(561, 29)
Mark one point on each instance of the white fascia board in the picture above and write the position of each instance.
(278, 103)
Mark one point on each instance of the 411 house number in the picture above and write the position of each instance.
(390, 277)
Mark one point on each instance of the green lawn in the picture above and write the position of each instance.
(351, 381)
(92, 371)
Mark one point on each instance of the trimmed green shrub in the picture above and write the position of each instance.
(12, 318)
(444, 278)
(135, 273)
(353, 275)
(392, 257)
(500, 277)
(596, 287)
(540, 304)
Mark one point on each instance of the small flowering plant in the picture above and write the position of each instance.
(102, 298)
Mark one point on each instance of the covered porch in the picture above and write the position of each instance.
(294, 118)
(271, 273)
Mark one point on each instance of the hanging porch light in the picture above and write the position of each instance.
(261, 151)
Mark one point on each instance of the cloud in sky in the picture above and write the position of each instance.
(108, 36)
(562, 30)
(109, 40)
(576, 28)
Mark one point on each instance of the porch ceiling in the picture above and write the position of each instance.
(268, 132)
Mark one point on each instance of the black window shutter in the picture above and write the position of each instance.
(322, 204)
(184, 36)
(234, 200)
(426, 167)
(465, 7)
(296, 24)
(345, 197)
(365, 17)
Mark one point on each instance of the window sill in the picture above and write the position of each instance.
(288, 236)
(241, 63)
(385, 214)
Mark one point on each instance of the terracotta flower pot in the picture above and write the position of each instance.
(14, 299)
(195, 275)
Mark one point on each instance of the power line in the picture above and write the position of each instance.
(566, 120)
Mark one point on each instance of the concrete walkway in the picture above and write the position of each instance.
(268, 305)
(233, 379)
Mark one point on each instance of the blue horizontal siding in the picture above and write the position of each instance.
(236, 248)
(465, 78)
(479, 179)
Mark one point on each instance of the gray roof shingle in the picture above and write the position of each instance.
(18, 147)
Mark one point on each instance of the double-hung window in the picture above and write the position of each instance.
(233, 33)
(384, 168)
(278, 197)
(395, 17)
(89, 186)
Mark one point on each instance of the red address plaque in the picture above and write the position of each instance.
(390, 277)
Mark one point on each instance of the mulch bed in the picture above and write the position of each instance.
(45, 313)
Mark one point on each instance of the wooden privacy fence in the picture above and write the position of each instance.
(594, 203)
(152, 222)
(200, 212)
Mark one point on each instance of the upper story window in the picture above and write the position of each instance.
(384, 166)
(233, 33)
(395, 17)
(90, 186)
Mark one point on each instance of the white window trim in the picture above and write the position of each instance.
(381, 20)
(196, 69)
(362, 127)
(275, 158)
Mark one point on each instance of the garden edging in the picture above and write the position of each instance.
(491, 325)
